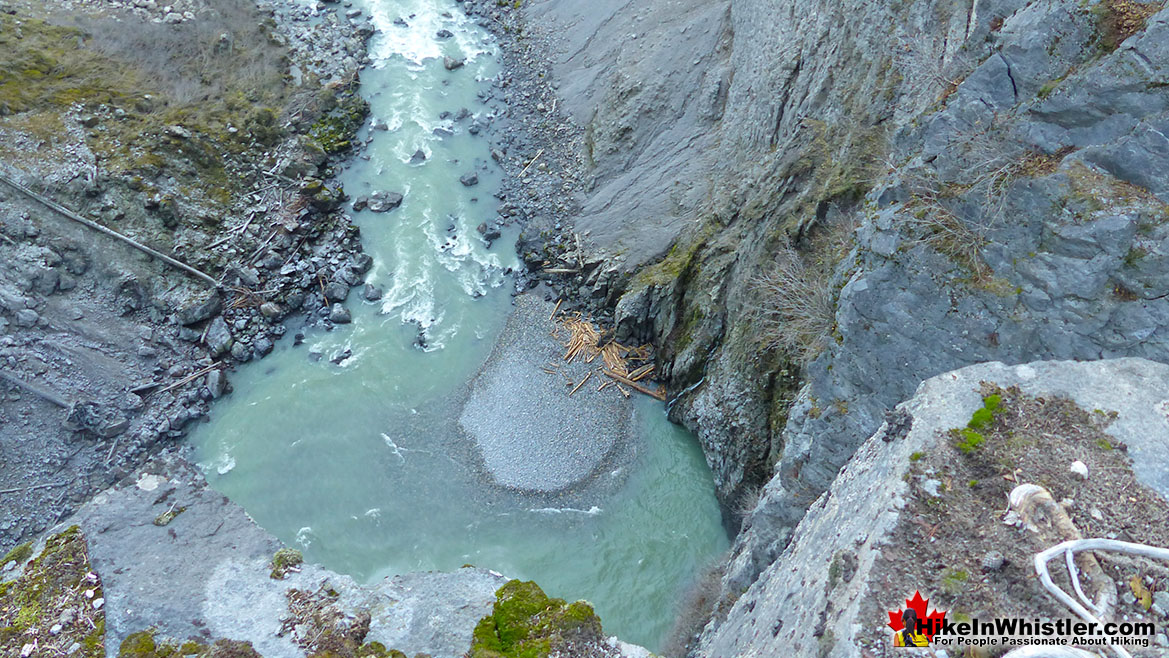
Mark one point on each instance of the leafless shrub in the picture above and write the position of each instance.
(933, 223)
(697, 609)
(227, 49)
(797, 310)
(955, 202)
(748, 500)
(923, 59)
(990, 162)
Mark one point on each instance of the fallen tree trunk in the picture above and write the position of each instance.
(658, 393)
(69, 214)
(36, 390)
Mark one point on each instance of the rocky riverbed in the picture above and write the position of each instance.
(108, 353)
(537, 421)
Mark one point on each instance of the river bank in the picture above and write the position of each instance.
(116, 352)
(386, 478)
(301, 255)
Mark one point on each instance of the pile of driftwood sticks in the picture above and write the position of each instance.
(625, 367)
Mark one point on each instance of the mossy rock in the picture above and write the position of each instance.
(284, 560)
(336, 130)
(526, 623)
(145, 644)
(56, 579)
(17, 554)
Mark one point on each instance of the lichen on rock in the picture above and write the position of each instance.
(55, 603)
(284, 560)
(146, 644)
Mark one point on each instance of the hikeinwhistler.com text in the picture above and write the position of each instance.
(1016, 631)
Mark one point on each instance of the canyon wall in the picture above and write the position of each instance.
(822, 204)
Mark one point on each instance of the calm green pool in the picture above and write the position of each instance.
(361, 462)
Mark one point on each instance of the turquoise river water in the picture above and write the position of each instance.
(361, 462)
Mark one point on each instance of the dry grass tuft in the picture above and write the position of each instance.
(1121, 19)
(698, 607)
(797, 309)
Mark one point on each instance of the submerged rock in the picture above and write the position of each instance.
(384, 201)
(340, 315)
(371, 293)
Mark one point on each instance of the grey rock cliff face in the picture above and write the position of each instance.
(779, 615)
(999, 171)
(646, 81)
(1069, 252)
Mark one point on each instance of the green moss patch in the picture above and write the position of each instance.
(18, 554)
(970, 438)
(526, 623)
(145, 644)
(56, 588)
(285, 560)
(336, 129)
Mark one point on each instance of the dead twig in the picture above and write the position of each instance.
(190, 377)
(658, 394)
(36, 390)
(530, 163)
(261, 248)
(582, 383)
(69, 214)
(34, 487)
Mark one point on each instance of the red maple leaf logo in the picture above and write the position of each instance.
(931, 622)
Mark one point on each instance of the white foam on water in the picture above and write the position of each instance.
(394, 448)
(225, 464)
(414, 42)
(437, 337)
(592, 511)
(305, 537)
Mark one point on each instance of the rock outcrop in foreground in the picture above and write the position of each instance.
(160, 562)
(852, 557)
